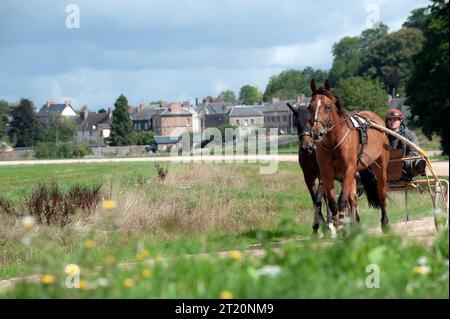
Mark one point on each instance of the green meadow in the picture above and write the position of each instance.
(170, 233)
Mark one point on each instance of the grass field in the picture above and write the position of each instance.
(206, 208)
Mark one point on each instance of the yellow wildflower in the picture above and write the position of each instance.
(146, 273)
(234, 254)
(109, 204)
(89, 244)
(84, 284)
(159, 258)
(226, 295)
(48, 279)
(144, 253)
(27, 222)
(421, 270)
(128, 282)
(72, 269)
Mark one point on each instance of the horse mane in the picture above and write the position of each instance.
(332, 96)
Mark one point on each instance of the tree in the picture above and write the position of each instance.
(24, 126)
(227, 96)
(390, 58)
(121, 131)
(145, 138)
(59, 129)
(291, 83)
(249, 95)
(101, 111)
(348, 55)
(427, 88)
(363, 93)
(372, 36)
(4, 113)
(417, 19)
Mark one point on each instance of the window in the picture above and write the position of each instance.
(284, 118)
(188, 121)
(237, 122)
(252, 122)
(278, 118)
(246, 122)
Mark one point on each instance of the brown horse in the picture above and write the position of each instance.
(308, 164)
(340, 154)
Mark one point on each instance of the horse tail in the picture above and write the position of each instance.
(369, 182)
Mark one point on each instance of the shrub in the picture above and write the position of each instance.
(61, 150)
(50, 205)
(161, 171)
(145, 138)
(80, 151)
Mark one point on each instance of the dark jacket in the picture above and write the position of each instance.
(395, 143)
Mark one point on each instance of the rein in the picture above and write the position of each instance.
(341, 140)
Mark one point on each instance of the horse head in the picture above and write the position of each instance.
(324, 106)
(303, 129)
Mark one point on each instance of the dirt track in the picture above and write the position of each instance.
(441, 167)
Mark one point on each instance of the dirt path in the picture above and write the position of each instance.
(420, 231)
(441, 167)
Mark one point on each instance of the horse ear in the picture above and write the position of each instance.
(327, 85)
(293, 108)
(313, 85)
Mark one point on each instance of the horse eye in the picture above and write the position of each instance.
(328, 108)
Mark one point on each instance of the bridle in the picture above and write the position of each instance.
(328, 127)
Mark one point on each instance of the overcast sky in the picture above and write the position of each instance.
(171, 50)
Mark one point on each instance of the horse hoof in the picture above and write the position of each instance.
(333, 232)
(317, 235)
(386, 228)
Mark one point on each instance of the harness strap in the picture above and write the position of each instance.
(363, 126)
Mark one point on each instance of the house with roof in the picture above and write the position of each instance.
(94, 129)
(142, 118)
(246, 116)
(173, 120)
(52, 109)
(278, 115)
(214, 114)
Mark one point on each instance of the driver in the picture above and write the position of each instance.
(411, 168)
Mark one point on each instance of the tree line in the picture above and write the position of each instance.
(411, 62)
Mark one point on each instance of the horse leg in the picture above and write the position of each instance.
(332, 208)
(319, 195)
(316, 196)
(380, 172)
(347, 199)
(353, 202)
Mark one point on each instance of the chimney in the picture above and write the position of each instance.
(109, 113)
(84, 114)
(50, 102)
(175, 107)
(141, 105)
(196, 101)
(275, 99)
(68, 102)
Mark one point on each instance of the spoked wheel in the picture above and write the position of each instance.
(441, 206)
